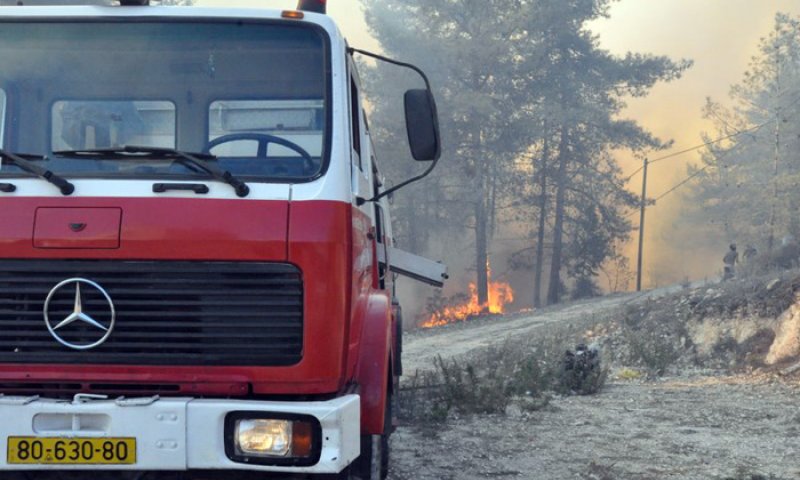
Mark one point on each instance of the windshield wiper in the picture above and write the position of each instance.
(66, 187)
(198, 160)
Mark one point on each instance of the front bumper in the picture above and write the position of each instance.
(174, 434)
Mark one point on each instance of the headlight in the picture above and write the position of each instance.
(270, 438)
(273, 439)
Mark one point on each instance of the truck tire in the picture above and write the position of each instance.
(373, 462)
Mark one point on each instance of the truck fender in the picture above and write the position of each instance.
(374, 368)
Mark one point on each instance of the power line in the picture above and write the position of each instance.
(681, 183)
(687, 179)
(712, 142)
(703, 145)
(633, 174)
(677, 186)
(674, 187)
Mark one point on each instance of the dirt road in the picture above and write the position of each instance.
(421, 347)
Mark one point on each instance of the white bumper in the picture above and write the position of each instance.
(175, 433)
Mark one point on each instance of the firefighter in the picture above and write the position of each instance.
(730, 260)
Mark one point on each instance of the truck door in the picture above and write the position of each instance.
(363, 212)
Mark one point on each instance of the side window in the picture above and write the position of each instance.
(269, 137)
(355, 112)
(82, 124)
(300, 122)
(2, 117)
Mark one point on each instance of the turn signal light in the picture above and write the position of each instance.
(293, 14)
(302, 439)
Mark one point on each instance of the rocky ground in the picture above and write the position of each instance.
(718, 409)
(688, 428)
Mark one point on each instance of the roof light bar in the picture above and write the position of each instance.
(317, 6)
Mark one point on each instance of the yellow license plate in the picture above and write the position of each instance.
(71, 451)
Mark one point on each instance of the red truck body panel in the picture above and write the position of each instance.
(64, 227)
(314, 235)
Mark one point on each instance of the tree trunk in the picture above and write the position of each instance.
(537, 278)
(481, 226)
(554, 287)
(481, 250)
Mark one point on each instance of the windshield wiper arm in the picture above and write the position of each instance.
(199, 160)
(65, 186)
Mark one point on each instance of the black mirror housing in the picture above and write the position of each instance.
(422, 124)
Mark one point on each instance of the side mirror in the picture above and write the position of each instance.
(422, 124)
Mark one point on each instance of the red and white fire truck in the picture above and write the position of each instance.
(196, 255)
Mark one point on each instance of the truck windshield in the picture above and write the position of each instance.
(253, 94)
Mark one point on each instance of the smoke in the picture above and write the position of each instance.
(720, 36)
(457, 251)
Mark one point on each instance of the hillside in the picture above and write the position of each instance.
(696, 386)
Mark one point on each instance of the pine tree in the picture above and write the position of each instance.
(581, 92)
(746, 186)
(529, 107)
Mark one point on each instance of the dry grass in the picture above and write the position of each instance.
(522, 373)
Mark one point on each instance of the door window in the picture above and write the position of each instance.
(90, 124)
(2, 116)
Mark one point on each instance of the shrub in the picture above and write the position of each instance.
(652, 338)
(521, 373)
(467, 390)
(585, 287)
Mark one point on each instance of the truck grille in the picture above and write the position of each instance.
(167, 313)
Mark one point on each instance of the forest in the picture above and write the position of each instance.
(532, 112)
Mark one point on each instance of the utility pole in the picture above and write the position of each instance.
(642, 206)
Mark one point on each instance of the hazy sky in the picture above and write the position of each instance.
(719, 35)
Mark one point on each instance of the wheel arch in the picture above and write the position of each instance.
(374, 369)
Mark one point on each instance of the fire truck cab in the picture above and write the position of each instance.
(195, 250)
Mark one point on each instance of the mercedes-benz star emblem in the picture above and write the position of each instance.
(79, 315)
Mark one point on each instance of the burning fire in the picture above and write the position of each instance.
(500, 294)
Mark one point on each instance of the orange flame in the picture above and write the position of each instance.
(500, 294)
